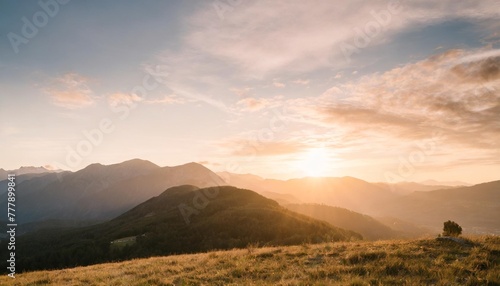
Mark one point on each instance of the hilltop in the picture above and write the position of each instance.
(396, 262)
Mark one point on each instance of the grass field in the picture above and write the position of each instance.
(394, 262)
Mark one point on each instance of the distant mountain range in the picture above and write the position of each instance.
(226, 218)
(100, 192)
(444, 183)
(346, 192)
(27, 170)
(476, 207)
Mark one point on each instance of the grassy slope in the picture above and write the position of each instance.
(416, 262)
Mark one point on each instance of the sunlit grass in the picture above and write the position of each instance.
(395, 262)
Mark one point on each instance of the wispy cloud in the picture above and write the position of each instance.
(278, 84)
(116, 99)
(252, 104)
(252, 147)
(241, 92)
(190, 75)
(167, 99)
(285, 39)
(127, 99)
(301, 81)
(456, 92)
(70, 91)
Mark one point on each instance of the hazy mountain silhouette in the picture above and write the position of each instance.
(232, 218)
(411, 207)
(345, 192)
(256, 183)
(475, 208)
(405, 188)
(27, 170)
(366, 225)
(100, 192)
(445, 183)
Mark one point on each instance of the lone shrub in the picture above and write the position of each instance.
(451, 228)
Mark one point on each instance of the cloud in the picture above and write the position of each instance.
(278, 84)
(241, 92)
(192, 76)
(301, 81)
(448, 103)
(254, 147)
(70, 91)
(167, 99)
(455, 92)
(285, 42)
(131, 99)
(285, 39)
(254, 104)
(123, 99)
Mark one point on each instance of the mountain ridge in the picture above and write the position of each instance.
(99, 192)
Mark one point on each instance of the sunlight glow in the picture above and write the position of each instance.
(315, 163)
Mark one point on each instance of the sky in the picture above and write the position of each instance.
(384, 91)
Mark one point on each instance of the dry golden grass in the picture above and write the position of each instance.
(395, 262)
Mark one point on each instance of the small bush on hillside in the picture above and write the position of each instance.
(451, 228)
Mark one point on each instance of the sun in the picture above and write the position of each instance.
(315, 162)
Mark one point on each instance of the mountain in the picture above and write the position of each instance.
(27, 170)
(31, 182)
(217, 218)
(413, 208)
(445, 183)
(345, 192)
(365, 225)
(100, 192)
(475, 208)
(405, 188)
